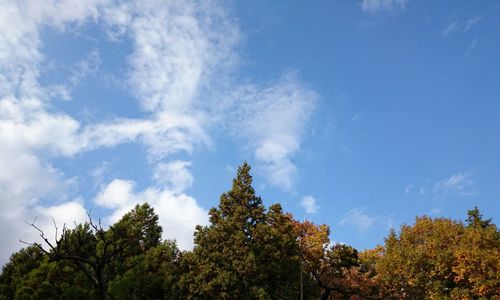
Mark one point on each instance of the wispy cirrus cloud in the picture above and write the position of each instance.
(357, 217)
(364, 221)
(176, 48)
(271, 121)
(85, 67)
(409, 188)
(308, 203)
(383, 5)
(180, 53)
(459, 184)
(458, 25)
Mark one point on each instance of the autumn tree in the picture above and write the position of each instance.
(336, 269)
(250, 252)
(442, 258)
(476, 266)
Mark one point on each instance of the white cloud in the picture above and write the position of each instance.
(358, 218)
(472, 46)
(37, 179)
(64, 214)
(181, 51)
(409, 188)
(389, 223)
(27, 127)
(15, 224)
(460, 25)
(471, 22)
(117, 194)
(166, 133)
(86, 67)
(32, 132)
(460, 184)
(178, 213)
(450, 27)
(379, 5)
(271, 121)
(29, 134)
(436, 211)
(26, 175)
(174, 176)
(177, 47)
(309, 204)
(422, 191)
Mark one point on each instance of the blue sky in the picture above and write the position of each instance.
(357, 114)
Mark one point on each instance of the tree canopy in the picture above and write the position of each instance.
(441, 259)
(248, 251)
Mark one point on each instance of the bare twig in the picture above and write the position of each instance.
(55, 226)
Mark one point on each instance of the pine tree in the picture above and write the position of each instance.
(245, 252)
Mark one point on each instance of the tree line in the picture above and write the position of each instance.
(249, 251)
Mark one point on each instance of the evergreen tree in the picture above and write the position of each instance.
(245, 252)
(248, 252)
(475, 219)
(16, 271)
(151, 275)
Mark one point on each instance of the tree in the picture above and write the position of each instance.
(476, 266)
(475, 219)
(336, 269)
(417, 264)
(246, 252)
(250, 252)
(134, 234)
(313, 242)
(101, 254)
(442, 258)
(16, 271)
(151, 275)
(277, 255)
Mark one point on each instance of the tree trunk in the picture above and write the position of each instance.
(102, 285)
(325, 295)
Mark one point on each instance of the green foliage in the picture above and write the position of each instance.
(152, 275)
(250, 252)
(17, 270)
(341, 256)
(87, 259)
(246, 252)
(43, 279)
(475, 219)
(138, 228)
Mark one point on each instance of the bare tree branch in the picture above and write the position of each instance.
(55, 226)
